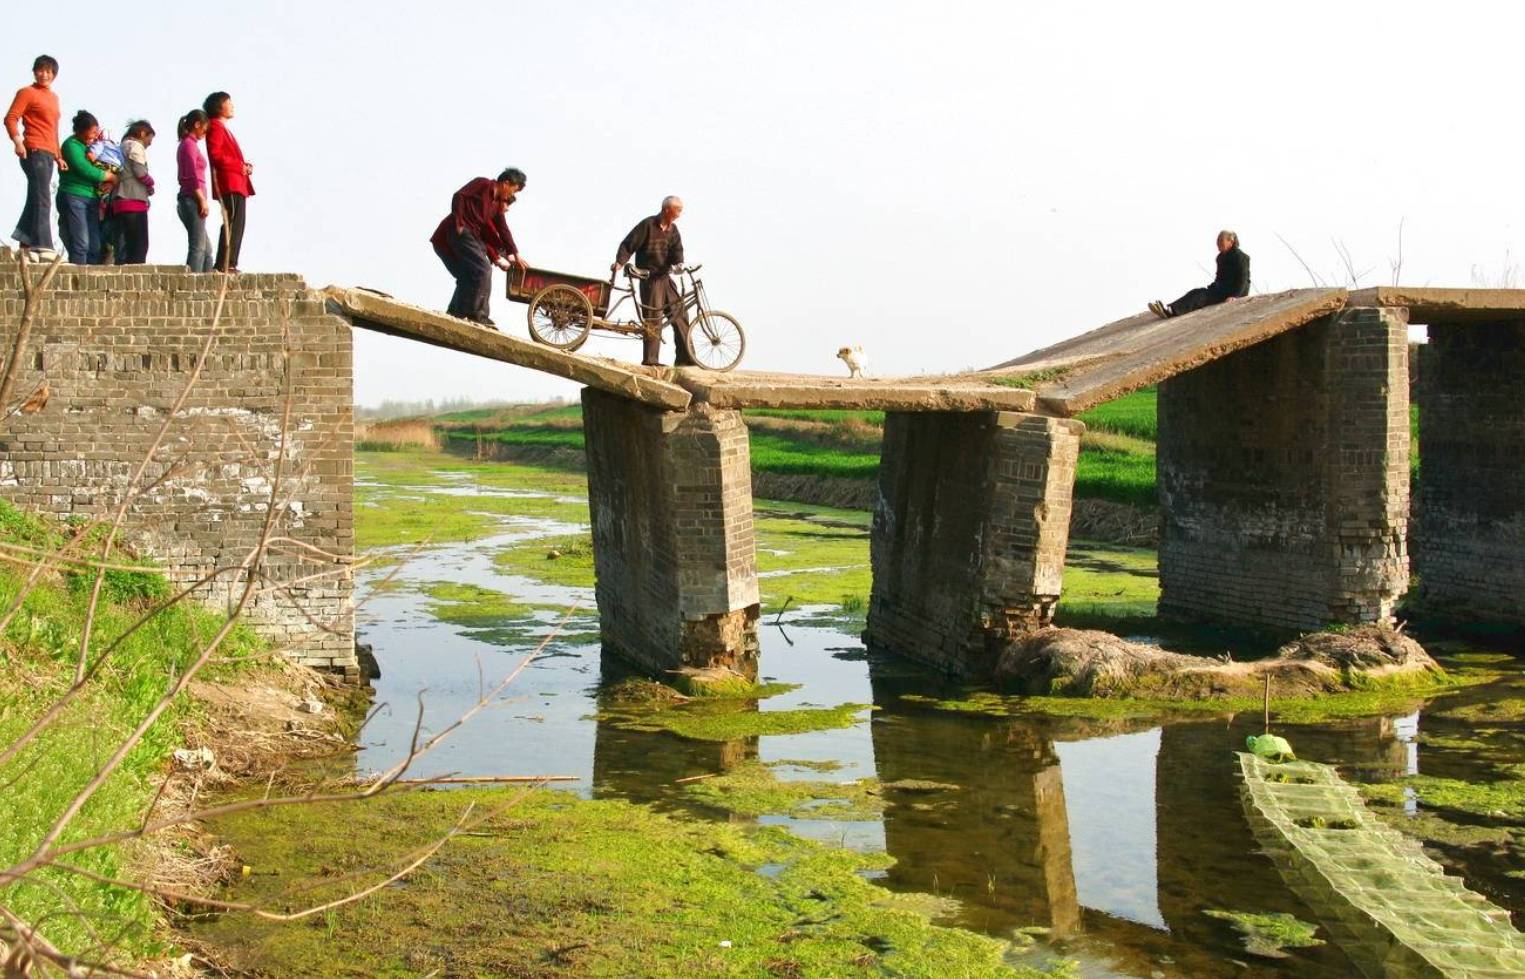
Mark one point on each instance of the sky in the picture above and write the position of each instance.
(947, 185)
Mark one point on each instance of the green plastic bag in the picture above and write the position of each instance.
(1271, 746)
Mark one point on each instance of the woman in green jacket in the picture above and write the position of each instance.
(79, 190)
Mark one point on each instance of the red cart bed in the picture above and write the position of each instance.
(524, 283)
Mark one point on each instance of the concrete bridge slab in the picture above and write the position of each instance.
(1132, 353)
(759, 389)
(374, 311)
(1433, 305)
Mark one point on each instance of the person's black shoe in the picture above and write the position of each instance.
(484, 321)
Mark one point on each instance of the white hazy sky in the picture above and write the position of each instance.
(946, 184)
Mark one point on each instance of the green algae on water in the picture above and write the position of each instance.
(1268, 935)
(1503, 798)
(590, 888)
(752, 789)
(472, 605)
(1397, 696)
(718, 719)
(566, 561)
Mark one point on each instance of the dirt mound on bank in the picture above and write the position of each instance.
(1087, 663)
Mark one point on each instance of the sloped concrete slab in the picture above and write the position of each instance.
(1392, 909)
(373, 311)
(1132, 353)
(1434, 306)
(759, 389)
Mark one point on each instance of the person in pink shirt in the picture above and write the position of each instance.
(230, 178)
(193, 202)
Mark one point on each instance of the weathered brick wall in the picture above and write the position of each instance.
(1470, 548)
(670, 498)
(1283, 478)
(969, 532)
(115, 347)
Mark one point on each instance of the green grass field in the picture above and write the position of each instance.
(1117, 459)
(1134, 414)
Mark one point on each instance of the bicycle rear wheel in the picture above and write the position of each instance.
(717, 341)
(560, 317)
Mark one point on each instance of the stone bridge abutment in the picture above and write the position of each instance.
(110, 351)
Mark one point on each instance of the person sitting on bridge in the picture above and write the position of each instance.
(474, 237)
(658, 248)
(1231, 282)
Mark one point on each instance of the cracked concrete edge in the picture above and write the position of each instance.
(374, 311)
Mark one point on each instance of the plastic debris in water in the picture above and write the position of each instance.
(1272, 746)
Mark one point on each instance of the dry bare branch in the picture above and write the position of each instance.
(33, 298)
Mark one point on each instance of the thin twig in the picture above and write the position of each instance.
(33, 299)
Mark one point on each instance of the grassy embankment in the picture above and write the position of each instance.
(37, 657)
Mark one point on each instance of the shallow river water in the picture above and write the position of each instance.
(1114, 837)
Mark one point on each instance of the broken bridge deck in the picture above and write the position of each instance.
(374, 311)
(674, 389)
(1132, 353)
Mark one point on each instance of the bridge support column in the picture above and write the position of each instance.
(670, 495)
(1284, 475)
(969, 532)
(1470, 544)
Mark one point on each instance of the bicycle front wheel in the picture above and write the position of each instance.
(717, 341)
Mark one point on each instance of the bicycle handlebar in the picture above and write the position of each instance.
(636, 273)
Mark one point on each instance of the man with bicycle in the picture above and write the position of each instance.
(658, 249)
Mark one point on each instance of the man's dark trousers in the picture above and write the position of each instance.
(1195, 300)
(35, 229)
(467, 261)
(659, 292)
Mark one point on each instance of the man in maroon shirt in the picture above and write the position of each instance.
(474, 237)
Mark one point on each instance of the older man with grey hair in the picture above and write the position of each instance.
(658, 249)
(1231, 282)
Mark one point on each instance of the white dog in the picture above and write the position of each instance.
(854, 359)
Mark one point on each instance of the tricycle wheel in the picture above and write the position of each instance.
(716, 341)
(560, 317)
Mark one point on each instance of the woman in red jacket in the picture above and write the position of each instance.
(230, 178)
